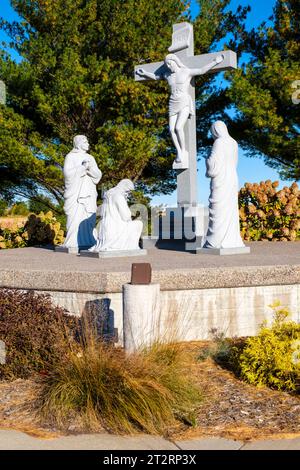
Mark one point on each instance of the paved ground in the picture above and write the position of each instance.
(262, 254)
(15, 440)
(40, 268)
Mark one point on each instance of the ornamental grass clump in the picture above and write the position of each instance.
(269, 214)
(147, 391)
(272, 358)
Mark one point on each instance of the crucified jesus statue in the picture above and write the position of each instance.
(181, 105)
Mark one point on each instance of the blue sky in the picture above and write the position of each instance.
(250, 169)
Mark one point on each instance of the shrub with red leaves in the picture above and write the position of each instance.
(36, 334)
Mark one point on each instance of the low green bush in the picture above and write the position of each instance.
(224, 351)
(272, 357)
(35, 333)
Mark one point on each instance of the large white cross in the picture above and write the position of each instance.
(183, 47)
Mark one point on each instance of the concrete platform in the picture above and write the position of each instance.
(223, 251)
(230, 294)
(41, 268)
(63, 249)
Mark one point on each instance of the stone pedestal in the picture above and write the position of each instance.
(148, 242)
(223, 251)
(185, 224)
(63, 249)
(141, 315)
(113, 253)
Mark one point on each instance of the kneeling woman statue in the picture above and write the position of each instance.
(117, 231)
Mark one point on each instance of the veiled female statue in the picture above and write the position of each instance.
(117, 230)
(224, 226)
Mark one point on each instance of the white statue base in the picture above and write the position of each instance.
(149, 242)
(113, 253)
(186, 224)
(71, 251)
(244, 250)
(184, 164)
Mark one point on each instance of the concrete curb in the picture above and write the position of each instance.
(16, 440)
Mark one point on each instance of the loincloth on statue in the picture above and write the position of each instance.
(178, 101)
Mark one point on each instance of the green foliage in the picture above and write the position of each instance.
(19, 208)
(224, 351)
(35, 333)
(268, 122)
(3, 207)
(146, 391)
(42, 204)
(76, 76)
(42, 229)
(269, 214)
(272, 357)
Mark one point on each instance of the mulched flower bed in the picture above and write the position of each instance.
(231, 408)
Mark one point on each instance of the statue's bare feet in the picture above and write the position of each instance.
(178, 159)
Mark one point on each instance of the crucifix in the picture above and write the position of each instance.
(179, 69)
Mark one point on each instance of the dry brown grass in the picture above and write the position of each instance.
(146, 391)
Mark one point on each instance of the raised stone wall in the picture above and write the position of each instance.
(198, 293)
(192, 314)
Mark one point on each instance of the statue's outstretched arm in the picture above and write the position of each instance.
(206, 68)
(143, 73)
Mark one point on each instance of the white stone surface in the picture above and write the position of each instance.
(224, 228)
(113, 253)
(81, 175)
(191, 314)
(141, 316)
(149, 241)
(187, 222)
(117, 231)
(232, 311)
(242, 250)
(64, 249)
